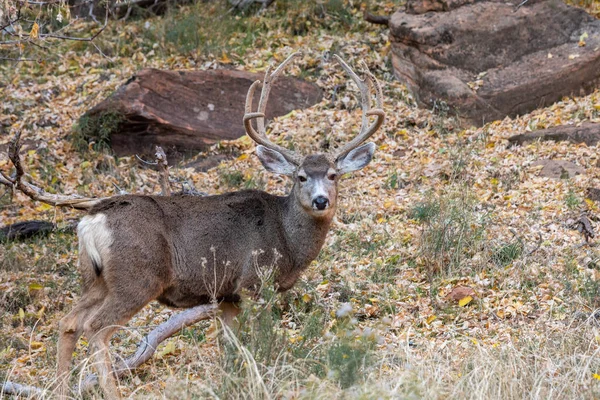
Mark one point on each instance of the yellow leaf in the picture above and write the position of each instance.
(242, 157)
(596, 376)
(84, 165)
(590, 203)
(43, 207)
(430, 319)
(35, 286)
(288, 115)
(36, 345)
(494, 181)
(225, 59)
(464, 301)
(40, 313)
(21, 314)
(168, 349)
(388, 203)
(34, 31)
(306, 297)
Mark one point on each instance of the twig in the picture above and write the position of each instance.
(18, 59)
(521, 4)
(149, 344)
(144, 161)
(537, 246)
(163, 166)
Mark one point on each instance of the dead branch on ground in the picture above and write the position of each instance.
(34, 192)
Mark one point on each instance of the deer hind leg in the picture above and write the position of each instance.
(116, 310)
(70, 329)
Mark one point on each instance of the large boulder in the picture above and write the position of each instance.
(489, 59)
(187, 110)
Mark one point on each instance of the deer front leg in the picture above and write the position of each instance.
(228, 313)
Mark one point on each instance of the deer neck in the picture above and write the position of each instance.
(305, 234)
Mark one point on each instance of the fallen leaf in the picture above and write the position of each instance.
(464, 301)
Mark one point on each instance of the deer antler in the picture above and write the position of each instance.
(34, 192)
(365, 86)
(260, 136)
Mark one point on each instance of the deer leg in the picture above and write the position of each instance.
(116, 310)
(228, 313)
(102, 363)
(70, 329)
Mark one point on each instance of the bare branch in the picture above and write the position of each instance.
(89, 39)
(15, 389)
(36, 193)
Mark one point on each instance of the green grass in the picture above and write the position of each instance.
(95, 130)
(506, 253)
(453, 230)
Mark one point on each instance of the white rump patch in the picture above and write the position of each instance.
(94, 237)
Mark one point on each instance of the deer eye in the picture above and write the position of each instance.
(301, 178)
(332, 177)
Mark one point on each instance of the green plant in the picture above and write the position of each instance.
(425, 211)
(572, 201)
(392, 181)
(453, 230)
(96, 130)
(231, 179)
(506, 253)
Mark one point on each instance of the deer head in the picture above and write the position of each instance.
(316, 176)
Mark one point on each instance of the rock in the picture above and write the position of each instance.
(423, 6)
(205, 163)
(491, 59)
(558, 169)
(593, 194)
(588, 133)
(460, 292)
(187, 110)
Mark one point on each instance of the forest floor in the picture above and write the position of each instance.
(440, 210)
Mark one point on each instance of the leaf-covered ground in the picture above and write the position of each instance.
(451, 264)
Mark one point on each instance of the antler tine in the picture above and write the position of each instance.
(259, 135)
(266, 90)
(365, 87)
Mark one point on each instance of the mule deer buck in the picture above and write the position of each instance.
(185, 251)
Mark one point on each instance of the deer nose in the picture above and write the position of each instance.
(320, 202)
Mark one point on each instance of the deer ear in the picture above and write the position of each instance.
(356, 159)
(274, 162)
